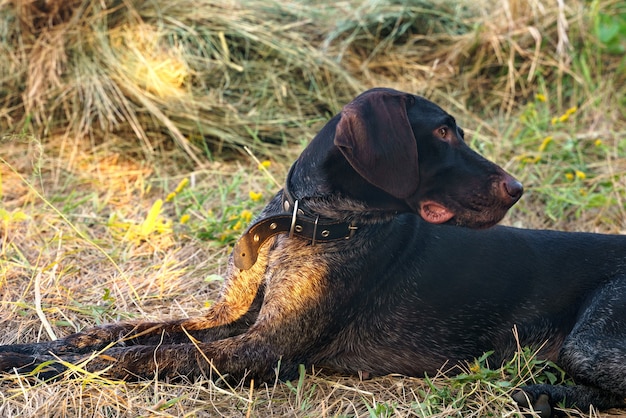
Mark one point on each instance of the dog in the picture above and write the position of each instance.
(381, 255)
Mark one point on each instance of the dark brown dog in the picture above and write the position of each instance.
(377, 257)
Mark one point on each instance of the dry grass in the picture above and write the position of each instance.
(212, 75)
(181, 70)
(95, 94)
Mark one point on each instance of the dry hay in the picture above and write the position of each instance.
(219, 74)
(187, 70)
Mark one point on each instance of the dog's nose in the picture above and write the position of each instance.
(513, 189)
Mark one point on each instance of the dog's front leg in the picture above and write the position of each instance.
(232, 314)
(233, 359)
(296, 310)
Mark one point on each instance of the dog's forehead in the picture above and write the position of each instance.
(423, 111)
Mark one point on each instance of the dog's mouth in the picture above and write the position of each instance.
(435, 213)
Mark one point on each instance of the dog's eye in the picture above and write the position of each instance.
(444, 133)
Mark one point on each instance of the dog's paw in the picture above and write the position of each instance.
(540, 404)
(43, 367)
(10, 361)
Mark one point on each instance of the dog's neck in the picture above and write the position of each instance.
(294, 221)
(329, 187)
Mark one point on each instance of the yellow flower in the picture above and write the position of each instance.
(565, 116)
(246, 216)
(569, 176)
(254, 196)
(580, 175)
(183, 183)
(149, 225)
(264, 164)
(185, 218)
(528, 158)
(475, 368)
(540, 97)
(597, 142)
(545, 142)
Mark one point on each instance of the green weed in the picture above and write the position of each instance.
(220, 214)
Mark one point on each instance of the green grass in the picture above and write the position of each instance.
(571, 174)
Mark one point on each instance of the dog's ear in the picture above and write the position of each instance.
(375, 136)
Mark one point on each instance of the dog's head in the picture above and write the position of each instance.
(414, 151)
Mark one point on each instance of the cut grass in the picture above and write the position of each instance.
(201, 74)
(211, 75)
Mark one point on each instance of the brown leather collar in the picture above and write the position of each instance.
(296, 223)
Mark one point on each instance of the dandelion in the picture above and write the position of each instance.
(254, 196)
(170, 197)
(184, 219)
(576, 174)
(597, 142)
(540, 97)
(265, 164)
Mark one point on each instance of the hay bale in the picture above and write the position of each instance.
(199, 72)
